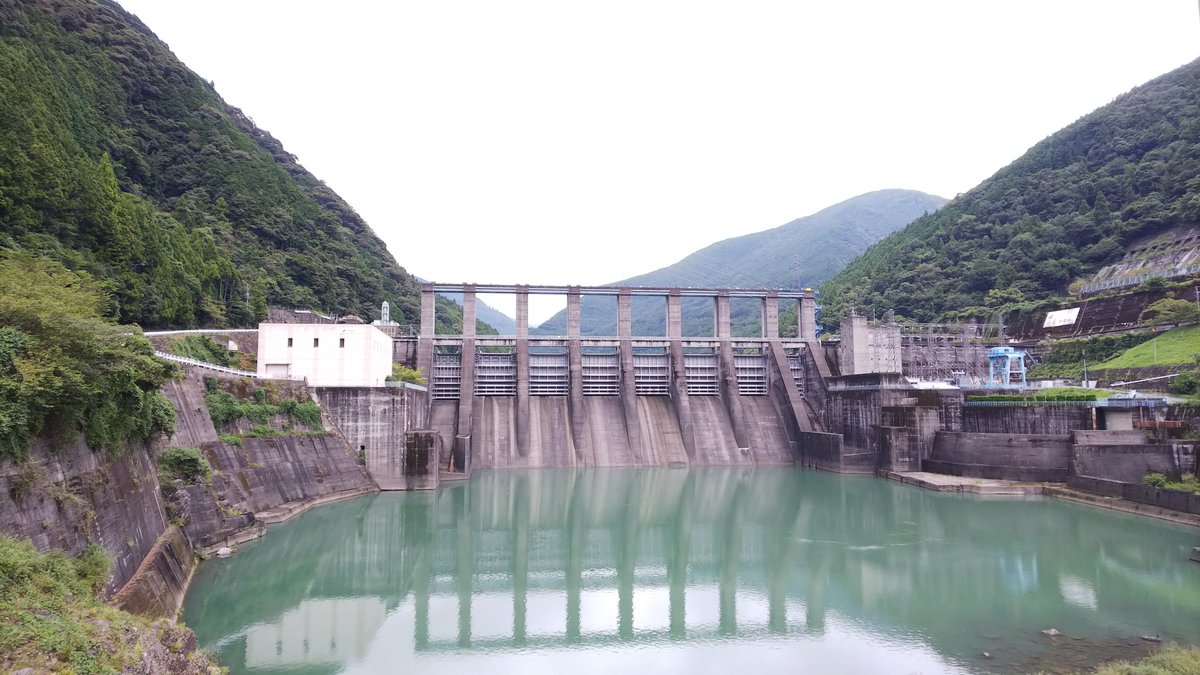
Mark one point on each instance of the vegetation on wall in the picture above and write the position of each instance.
(117, 160)
(224, 408)
(1070, 205)
(1066, 358)
(202, 348)
(402, 373)
(185, 464)
(65, 369)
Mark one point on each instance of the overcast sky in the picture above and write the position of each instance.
(562, 141)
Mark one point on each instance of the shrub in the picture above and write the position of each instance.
(225, 409)
(402, 373)
(186, 464)
(1154, 479)
(202, 348)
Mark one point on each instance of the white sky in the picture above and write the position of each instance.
(563, 141)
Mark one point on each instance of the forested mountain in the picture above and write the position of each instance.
(1067, 207)
(803, 253)
(117, 160)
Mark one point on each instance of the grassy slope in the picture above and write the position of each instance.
(1179, 346)
(51, 620)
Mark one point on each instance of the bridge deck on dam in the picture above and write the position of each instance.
(621, 400)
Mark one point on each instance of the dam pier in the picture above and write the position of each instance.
(619, 400)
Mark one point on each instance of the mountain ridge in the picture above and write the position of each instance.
(822, 241)
(119, 161)
(1069, 205)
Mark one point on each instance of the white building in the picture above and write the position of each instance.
(326, 354)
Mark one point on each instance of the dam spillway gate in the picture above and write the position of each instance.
(532, 401)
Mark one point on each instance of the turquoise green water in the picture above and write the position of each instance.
(736, 570)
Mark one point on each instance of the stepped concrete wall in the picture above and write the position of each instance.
(264, 474)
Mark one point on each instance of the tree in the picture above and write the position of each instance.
(402, 373)
(65, 369)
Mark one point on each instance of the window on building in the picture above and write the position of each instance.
(341, 342)
(289, 342)
(316, 342)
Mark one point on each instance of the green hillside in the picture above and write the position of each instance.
(117, 160)
(803, 253)
(1179, 346)
(1064, 209)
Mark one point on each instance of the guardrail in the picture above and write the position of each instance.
(404, 385)
(210, 366)
(199, 331)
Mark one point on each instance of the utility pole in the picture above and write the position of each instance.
(1085, 377)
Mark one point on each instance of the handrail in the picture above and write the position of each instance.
(210, 366)
(195, 331)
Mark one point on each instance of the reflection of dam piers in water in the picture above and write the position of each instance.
(618, 533)
(514, 561)
(621, 399)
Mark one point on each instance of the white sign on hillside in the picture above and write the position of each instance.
(1062, 317)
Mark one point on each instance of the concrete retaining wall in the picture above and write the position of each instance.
(65, 499)
(1142, 494)
(161, 581)
(1026, 420)
(263, 474)
(1123, 463)
(373, 422)
(1026, 457)
(827, 451)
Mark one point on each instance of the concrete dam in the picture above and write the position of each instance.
(522, 401)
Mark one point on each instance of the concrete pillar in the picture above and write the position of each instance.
(633, 424)
(624, 313)
(522, 347)
(575, 366)
(807, 320)
(771, 316)
(466, 392)
(730, 395)
(428, 329)
(854, 352)
(679, 393)
(723, 329)
(468, 310)
(674, 315)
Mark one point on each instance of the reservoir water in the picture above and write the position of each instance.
(714, 570)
